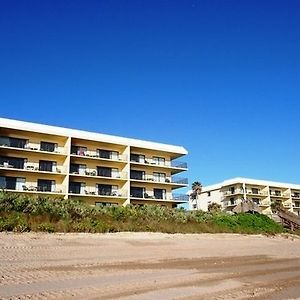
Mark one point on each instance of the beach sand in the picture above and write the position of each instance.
(133, 266)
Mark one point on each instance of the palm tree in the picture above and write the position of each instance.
(197, 188)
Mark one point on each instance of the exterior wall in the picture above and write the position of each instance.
(118, 158)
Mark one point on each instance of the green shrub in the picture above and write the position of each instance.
(13, 222)
(46, 227)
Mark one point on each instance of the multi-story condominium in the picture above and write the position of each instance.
(233, 191)
(97, 168)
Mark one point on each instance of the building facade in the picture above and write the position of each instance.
(232, 192)
(98, 168)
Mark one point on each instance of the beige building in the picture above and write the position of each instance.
(98, 168)
(233, 191)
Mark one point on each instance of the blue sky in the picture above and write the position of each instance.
(221, 78)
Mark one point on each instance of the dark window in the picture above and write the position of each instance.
(277, 193)
(104, 153)
(139, 175)
(46, 165)
(44, 185)
(45, 146)
(12, 142)
(104, 189)
(74, 168)
(78, 150)
(159, 193)
(255, 191)
(232, 190)
(74, 187)
(8, 183)
(232, 201)
(208, 194)
(255, 200)
(137, 192)
(12, 162)
(104, 171)
(137, 158)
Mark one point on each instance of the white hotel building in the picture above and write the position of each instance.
(230, 193)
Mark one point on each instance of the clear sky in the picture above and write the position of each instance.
(221, 78)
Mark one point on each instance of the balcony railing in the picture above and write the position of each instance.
(31, 167)
(235, 192)
(99, 193)
(178, 164)
(259, 193)
(94, 154)
(167, 163)
(173, 179)
(283, 195)
(180, 197)
(174, 197)
(179, 180)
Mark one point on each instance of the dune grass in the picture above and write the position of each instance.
(21, 213)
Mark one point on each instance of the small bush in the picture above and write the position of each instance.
(46, 227)
(13, 222)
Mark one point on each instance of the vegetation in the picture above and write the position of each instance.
(21, 213)
(214, 207)
(196, 189)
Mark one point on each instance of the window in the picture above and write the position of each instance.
(49, 147)
(74, 168)
(138, 175)
(12, 142)
(46, 165)
(232, 190)
(208, 194)
(45, 185)
(159, 193)
(296, 195)
(159, 177)
(74, 187)
(277, 193)
(297, 204)
(255, 200)
(104, 171)
(255, 191)
(8, 182)
(78, 150)
(137, 158)
(137, 192)
(158, 160)
(105, 189)
(104, 153)
(231, 201)
(12, 162)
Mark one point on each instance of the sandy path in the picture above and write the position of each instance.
(133, 266)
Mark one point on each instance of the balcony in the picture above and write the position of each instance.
(163, 164)
(179, 198)
(235, 192)
(280, 194)
(164, 180)
(35, 148)
(96, 155)
(296, 195)
(93, 173)
(31, 167)
(257, 192)
(96, 193)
